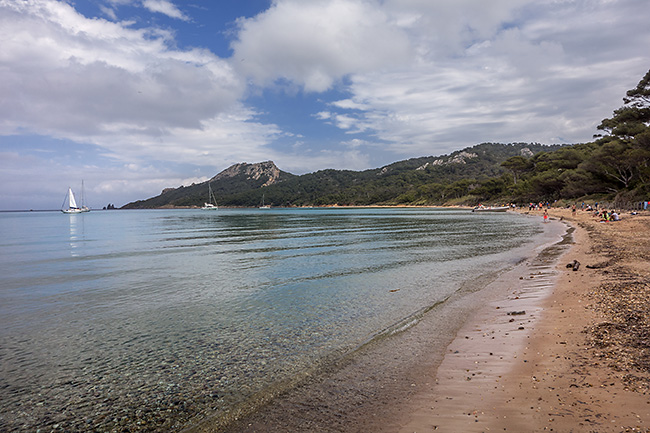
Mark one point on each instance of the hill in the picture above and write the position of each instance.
(235, 180)
(243, 184)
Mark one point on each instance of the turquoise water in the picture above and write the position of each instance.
(155, 319)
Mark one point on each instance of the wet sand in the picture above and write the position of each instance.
(578, 360)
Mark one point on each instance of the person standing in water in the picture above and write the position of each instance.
(545, 215)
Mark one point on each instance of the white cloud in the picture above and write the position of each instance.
(109, 12)
(445, 28)
(92, 80)
(503, 71)
(429, 77)
(347, 122)
(355, 143)
(72, 70)
(224, 139)
(315, 43)
(349, 104)
(165, 7)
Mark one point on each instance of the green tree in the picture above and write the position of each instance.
(492, 188)
(640, 96)
(517, 164)
(624, 155)
(619, 162)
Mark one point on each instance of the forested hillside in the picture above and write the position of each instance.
(613, 167)
(616, 166)
(434, 180)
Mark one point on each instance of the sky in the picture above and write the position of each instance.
(133, 96)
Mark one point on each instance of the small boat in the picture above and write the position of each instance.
(482, 208)
(211, 204)
(263, 206)
(71, 204)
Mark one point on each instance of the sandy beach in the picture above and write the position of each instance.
(575, 359)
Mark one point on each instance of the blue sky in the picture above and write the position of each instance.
(133, 96)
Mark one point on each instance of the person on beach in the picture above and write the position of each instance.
(573, 210)
(545, 215)
(604, 216)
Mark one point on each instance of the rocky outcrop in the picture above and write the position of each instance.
(459, 158)
(526, 152)
(252, 172)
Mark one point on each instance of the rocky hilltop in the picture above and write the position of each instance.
(242, 183)
(262, 170)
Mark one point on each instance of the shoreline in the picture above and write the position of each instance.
(578, 385)
(370, 390)
(485, 349)
(570, 372)
(543, 367)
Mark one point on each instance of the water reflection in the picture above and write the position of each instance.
(77, 233)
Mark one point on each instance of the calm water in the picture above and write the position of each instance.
(151, 319)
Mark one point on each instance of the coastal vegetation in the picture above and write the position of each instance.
(614, 167)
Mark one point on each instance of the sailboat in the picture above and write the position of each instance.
(71, 203)
(211, 204)
(263, 206)
(84, 208)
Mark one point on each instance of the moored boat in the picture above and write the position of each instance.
(211, 204)
(71, 204)
(264, 206)
(482, 208)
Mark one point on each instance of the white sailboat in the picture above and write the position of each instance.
(71, 204)
(83, 208)
(263, 206)
(211, 204)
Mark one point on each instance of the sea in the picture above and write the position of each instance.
(155, 320)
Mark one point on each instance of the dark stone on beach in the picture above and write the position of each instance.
(516, 313)
(575, 265)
